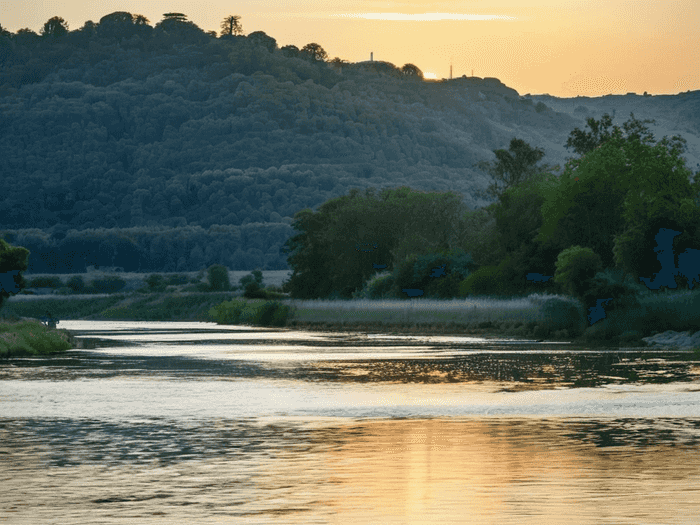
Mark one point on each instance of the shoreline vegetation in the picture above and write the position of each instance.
(538, 317)
(30, 337)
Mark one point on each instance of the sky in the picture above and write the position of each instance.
(565, 48)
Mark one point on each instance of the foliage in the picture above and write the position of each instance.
(48, 281)
(231, 25)
(574, 266)
(595, 199)
(314, 52)
(560, 313)
(340, 246)
(513, 166)
(217, 277)
(156, 283)
(13, 261)
(268, 313)
(487, 280)
(55, 27)
(379, 286)
(411, 71)
(76, 284)
(106, 285)
(623, 294)
(32, 338)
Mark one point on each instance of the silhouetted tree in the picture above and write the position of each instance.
(290, 51)
(175, 16)
(55, 27)
(410, 70)
(583, 142)
(141, 20)
(231, 25)
(259, 38)
(314, 52)
(512, 166)
(13, 261)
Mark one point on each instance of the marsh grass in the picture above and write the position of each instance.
(31, 338)
(512, 314)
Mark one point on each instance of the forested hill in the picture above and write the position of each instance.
(168, 148)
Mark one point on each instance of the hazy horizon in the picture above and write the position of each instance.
(561, 48)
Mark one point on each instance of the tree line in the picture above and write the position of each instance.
(591, 232)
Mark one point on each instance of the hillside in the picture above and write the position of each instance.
(171, 152)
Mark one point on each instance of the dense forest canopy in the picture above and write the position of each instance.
(163, 147)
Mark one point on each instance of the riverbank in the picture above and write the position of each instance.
(31, 337)
(537, 317)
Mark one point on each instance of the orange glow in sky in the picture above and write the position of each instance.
(561, 47)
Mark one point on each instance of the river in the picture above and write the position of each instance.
(153, 422)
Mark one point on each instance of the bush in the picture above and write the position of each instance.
(253, 291)
(559, 313)
(270, 313)
(49, 281)
(574, 266)
(253, 277)
(107, 285)
(177, 279)
(379, 286)
(217, 277)
(76, 284)
(487, 280)
(156, 283)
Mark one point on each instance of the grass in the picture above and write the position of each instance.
(31, 338)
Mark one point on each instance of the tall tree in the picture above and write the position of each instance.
(411, 71)
(314, 52)
(231, 25)
(55, 27)
(593, 200)
(513, 166)
(13, 261)
(584, 142)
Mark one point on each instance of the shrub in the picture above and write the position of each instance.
(217, 277)
(76, 284)
(107, 285)
(559, 313)
(487, 280)
(156, 283)
(270, 313)
(228, 312)
(177, 279)
(49, 281)
(575, 265)
(379, 286)
(253, 291)
(253, 277)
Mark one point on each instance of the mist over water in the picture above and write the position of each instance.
(199, 422)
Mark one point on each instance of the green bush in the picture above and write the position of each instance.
(106, 285)
(574, 266)
(76, 284)
(48, 281)
(255, 276)
(487, 280)
(217, 277)
(156, 283)
(379, 286)
(559, 313)
(31, 337)
(270, 313)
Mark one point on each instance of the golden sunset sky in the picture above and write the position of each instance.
(561, 47)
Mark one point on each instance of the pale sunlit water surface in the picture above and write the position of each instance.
(167, 422)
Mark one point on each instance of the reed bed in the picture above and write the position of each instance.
(417, 311)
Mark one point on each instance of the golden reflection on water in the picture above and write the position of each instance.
(430, 471)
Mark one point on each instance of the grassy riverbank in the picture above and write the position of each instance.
(31, 337)
(538, 316)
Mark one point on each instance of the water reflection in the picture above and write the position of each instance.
(359, 471)
(192, 422)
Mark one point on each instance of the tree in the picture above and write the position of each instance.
(217, 276)
(584, 142)
(180, 17)
(513, 166)
(575, 265)
(314, 52)
(586, 204)
(290, 51)
(55, 27)
(13, 261)
(231, 25)
(260, 38)
(411, 71)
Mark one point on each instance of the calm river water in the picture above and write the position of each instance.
(199, 423)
